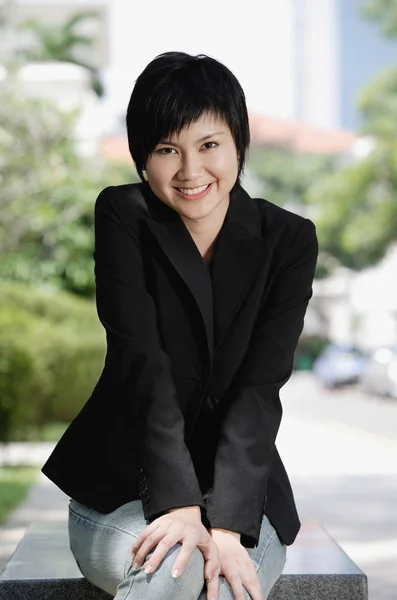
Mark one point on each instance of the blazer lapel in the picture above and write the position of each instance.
(178, 245)
(240, 252)
(239, 255)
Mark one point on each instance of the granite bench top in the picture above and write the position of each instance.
(43, 567)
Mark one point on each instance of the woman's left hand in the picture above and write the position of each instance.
(236, 565)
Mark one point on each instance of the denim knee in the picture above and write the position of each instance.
(160, 584)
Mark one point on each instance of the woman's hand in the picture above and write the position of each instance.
(182, 525)
(236, 566)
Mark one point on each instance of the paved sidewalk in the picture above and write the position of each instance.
(44, 502)
(340, 451)
(25, 453)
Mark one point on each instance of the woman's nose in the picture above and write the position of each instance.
(191, 167)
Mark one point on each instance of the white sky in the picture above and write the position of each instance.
(253, 38)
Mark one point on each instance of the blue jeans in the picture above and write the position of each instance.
(101, 545)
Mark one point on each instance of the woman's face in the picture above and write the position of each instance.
(204, 154)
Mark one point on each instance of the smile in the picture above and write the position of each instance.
(194, 193)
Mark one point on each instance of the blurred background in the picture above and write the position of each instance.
(320, 78)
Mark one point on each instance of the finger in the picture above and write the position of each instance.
(163, 546)
(212, 567)
(237, 587)
(251, 583)
(142, 536)
(208, 571)
(213, 587)
(253, 588)
(207, 547)
(210, 551)
(184, 555)
(150, 543)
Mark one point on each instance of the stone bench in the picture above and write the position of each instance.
(43, 568)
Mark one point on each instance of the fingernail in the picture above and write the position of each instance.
(148, 569)
(135, 565)
(176, 573)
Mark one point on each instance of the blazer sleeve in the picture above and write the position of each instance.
(138, 364)
(243, 460)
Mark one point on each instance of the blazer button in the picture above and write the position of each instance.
(211, 402)
(145, 497)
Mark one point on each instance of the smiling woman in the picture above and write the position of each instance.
(193, 144)
(194, 178)
(178, 491)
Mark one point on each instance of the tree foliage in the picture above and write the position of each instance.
(284, 175)
(48, 187)
(63, 43)
(48, 194)
(358, 211)
(285, 178)
(378, 105)
(358, 218)
(383, 13)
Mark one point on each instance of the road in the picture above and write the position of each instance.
(340, 451)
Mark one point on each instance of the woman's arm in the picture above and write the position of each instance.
(245, 450)
(136, 363)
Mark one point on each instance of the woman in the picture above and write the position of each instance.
(202, 291)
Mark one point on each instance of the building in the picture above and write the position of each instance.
(336, 53)
(297, 60)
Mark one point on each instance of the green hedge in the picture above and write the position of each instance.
(52, 351)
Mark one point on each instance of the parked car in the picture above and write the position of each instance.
(380, 374)
(339, 365)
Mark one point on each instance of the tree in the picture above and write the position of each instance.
(358, 217)
(62, 44)
(382, 12)
(59, 43)
(48, 194)
(285, 175)
(48, 189)
(358, 212)
(285, 179)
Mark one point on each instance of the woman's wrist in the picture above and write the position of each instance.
(190, 509)
(214, 531)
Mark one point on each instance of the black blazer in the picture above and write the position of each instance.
(187, 409)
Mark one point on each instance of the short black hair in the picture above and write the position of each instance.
(175, 90)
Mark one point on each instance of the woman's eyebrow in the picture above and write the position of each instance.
(206, 137)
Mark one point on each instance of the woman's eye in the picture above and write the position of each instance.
(164, 150)
(214, 143)
(169, 150)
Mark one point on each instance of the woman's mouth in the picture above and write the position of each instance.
(194, 193)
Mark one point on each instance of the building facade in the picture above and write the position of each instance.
(337, 53)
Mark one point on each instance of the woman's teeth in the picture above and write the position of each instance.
(192, 192)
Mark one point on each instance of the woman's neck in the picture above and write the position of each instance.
(205, 232)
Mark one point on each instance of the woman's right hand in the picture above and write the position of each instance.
(181, 525)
